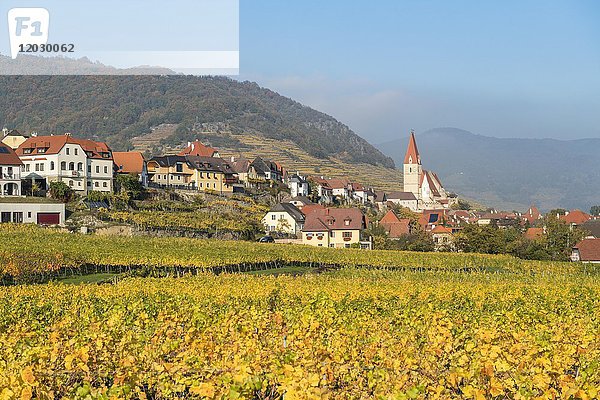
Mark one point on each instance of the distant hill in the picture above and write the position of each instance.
(119, 108)
(510, 173)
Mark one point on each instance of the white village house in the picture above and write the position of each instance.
(14, 207)
(84, 165)
(284, 218)
(10, 172)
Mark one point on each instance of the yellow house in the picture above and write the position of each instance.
(335, 227)
(170, 171)
(205, 174)
(212, 174)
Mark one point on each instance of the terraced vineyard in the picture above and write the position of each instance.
(295, 159)
(345, 335)
(291, 156)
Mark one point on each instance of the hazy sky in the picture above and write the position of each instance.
(502, 68)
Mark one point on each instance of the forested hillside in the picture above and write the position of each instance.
(119, 108)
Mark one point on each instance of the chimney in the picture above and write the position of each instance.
(34, 134)
(4, 131)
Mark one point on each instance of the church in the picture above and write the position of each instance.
(424, 185)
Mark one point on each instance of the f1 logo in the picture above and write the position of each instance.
(27, 26)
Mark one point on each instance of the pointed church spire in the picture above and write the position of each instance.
(412, 153)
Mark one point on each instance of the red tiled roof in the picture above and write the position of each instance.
(389, 218)
(589, 249)
(338, 183)
(8, 156)
(412, 152)
(129, 162)
(576, 217)
(335, 219)
(394, 226)
(399, 229)
(441, 229)
(309, 208)
(54, 144)
(432, 217)
(198, 149)
(534, 233)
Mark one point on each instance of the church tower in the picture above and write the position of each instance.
(412, 167)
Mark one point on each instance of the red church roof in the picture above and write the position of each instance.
(412, 153)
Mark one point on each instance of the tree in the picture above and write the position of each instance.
(481, 239)
(560, 238)
(461, 205)
(129, 184)
(61, 191)
(595, 211)
(418, 240)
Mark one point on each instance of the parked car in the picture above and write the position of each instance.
(266, 239)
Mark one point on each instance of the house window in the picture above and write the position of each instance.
(347, 222)
(347, 235)
(27, 167)
(332, 234)
(79, 184)
(37, 167)
(179, 167)
(104, 184)
(89, 169)
(27, 151)
(201, 175)
(42, 167)
(331, 244)
(51, 165)
(214, 185)
(17, 218)
(105, 169)
(41, 150)
(79, 166)
(347, 245)
(63, 166)
(200, 184)
(178, 177)
(68, 151)
(29, 214)
(273, 217)
(71, 166)
(89, 183)
(71, 183)
(215, 176)
(97, 169)
(76, 152)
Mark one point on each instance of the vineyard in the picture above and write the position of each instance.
(350, 334)
(33, 254)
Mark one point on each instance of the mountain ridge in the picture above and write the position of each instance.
(510, 173)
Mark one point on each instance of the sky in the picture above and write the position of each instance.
(525, 69)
